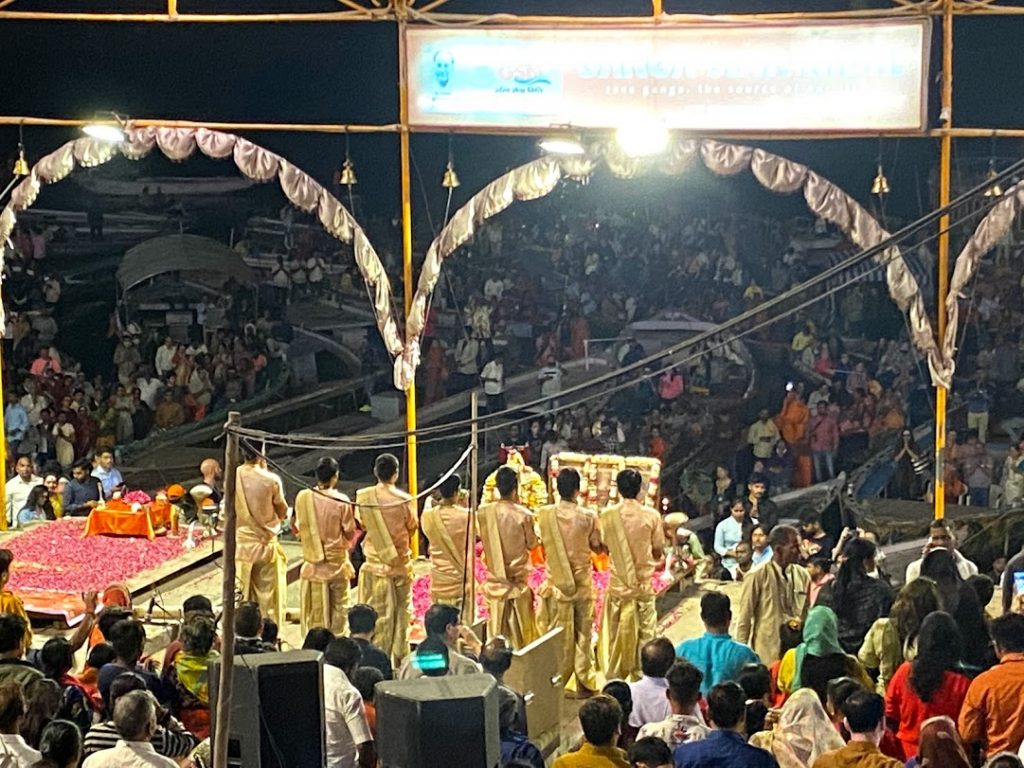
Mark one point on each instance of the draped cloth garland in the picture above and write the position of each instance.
(540, 177)
(253, 161)
(529, 182)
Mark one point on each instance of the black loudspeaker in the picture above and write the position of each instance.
(277, 712)
(438, 721)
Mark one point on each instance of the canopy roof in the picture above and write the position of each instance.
(181, 253)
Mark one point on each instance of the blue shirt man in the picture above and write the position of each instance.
(108, 475)
(715, 653)
(725, 746)
(15, 423)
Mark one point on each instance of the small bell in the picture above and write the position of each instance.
(450, 180)
(347, 177)
(21, 164)
(880, 185)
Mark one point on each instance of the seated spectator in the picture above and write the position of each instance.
(37, 507)
(12, 715)
(756, 682)
(42, 702)
(10, 602)
(317, 639)
(863, 716)
(819, 658)
(802, 734)
(57, 659)
(249, 628)
(13, 668)
(601, 719)
(193, 604)
(939, 744)
(188, 676)
(100, 655)
(650, 700)
(941, 537)
(362, 619)
(992, 718)
(718, 657)
(365, 680)
(128, 637)
(442, 622)
(650, 752)
(82, 493)
(60, 745)
(620, 691)
(135, 717)
(929, 686)
(685, 722)
(170, 738)
(349, 741)
(724, 746)
(515, 746)
(496, 658)
(819, 568)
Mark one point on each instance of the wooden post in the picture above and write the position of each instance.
(469, 604)
(3, 449)
(227, 651)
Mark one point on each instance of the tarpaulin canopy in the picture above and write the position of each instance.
(181, 253)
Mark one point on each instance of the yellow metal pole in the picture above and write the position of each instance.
(945, 168)
(403, 138)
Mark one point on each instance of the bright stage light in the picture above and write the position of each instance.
(642, 139)
(108, 132)
(561, 145)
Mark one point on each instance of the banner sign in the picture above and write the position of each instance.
(817, 77)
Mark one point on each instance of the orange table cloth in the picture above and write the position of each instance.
(118, 519)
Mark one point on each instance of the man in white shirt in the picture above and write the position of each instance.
(17, 489)
(164, 360)
(442, 622)
(493, 376)
(149, 387)
(686, 722)
(650, 692)
(940, 536)
(12, 711)
(349, 742)
(135, 718)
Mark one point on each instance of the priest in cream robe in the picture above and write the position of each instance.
(506, 530)
(447, 527)
(635, 539)
(569, 534)
(327, 525)
(388, 515)
(259, 509)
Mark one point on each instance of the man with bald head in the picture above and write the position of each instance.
(212, 475)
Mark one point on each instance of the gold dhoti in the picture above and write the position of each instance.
(627, 624)
(576, 618)
(510, 613)
(266, 582)
(391, 598)
(324, 604)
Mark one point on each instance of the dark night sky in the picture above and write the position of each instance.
(347, 73)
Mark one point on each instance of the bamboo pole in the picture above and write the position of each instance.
(149, 122)
(407, 277)
(370, 14)
(227, 651)
(3, 449)
(945, 169)
(469, 603)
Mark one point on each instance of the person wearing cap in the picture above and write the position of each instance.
(175, 494)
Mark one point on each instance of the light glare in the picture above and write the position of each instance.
(642, 139)
(559, 145)
(107, 132)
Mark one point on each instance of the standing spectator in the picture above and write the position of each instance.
(863, 717)
(163, 363)
(13, 668)
(928, 686)
(819, 658)
(349, 741)
(718, 657)
(941, 537)
(978, 404)
(60, 745)
(992, 717)
(685, 723)
(670, 386)
(977, 469)
(135, 720)
(763, 511)
(940, 745)
(823, 431)
(108, 475)
(731, 531)
(724, 746)
(362, 619)
(773, 594)
(493, 376)
(763, 435)
(650, 752)
(857, 599)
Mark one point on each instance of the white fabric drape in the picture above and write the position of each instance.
(775, 173)
(253, 161)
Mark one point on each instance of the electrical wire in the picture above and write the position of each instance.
(366, 442)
